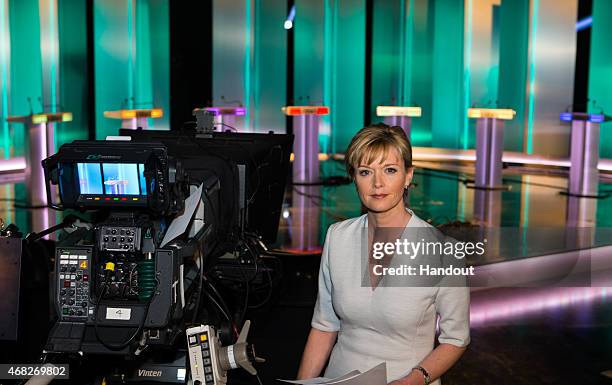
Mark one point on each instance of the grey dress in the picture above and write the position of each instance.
(396, 325)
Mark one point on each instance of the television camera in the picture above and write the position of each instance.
(165, 209)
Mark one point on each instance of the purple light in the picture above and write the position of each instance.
(235, 111)
(596, 118)
(487, 307)
(571, 116)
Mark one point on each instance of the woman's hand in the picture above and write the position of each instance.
(436, 363)
(413, 378)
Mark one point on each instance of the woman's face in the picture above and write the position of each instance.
(381, 184)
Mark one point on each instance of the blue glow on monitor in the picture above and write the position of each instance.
(566, 116)
(90, 178)
(121, 179)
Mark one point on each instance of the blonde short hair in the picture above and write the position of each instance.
(374, 142)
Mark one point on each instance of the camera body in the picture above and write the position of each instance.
(133, 278)
(118, 289)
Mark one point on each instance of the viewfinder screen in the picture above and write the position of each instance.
(111, 178)
(90, 178)
(121, 179)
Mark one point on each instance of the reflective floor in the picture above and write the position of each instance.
(519, 336)
(531, 218)
(544, 335)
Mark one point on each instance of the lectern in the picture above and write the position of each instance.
(489, 145)
(399, 116)
(306, 121)
(40, 144)
(133, 119)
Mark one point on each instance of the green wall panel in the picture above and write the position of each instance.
(446, 56)
(47, 42)
(142, 64)
(402, 61)
(308, 52)
(250, 61)
(232, 56)
(112, 62)
(26, 77)
(345, 92)
(482, 60)
(600, 71)
(152, 59)
(514, 48)
(159, 41)
(552, 54)
(269, 80)
(73, 90)
(386, 55)
(131, 59)
(482, 28)
(329, 66)
(418, 60)
(5, 61)
(422, 71)
(448, 107)
(313, 60)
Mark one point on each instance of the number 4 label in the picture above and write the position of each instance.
(118, 313)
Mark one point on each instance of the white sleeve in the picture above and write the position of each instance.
(324, 317)
(453, 307)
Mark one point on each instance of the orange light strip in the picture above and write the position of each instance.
(131, 114)
(305, 110)
(322, 157)
(496, 113)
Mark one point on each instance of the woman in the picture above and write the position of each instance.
(358, 327)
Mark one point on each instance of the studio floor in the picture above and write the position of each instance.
(561, 345)
(520, 335)
(538, 335)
